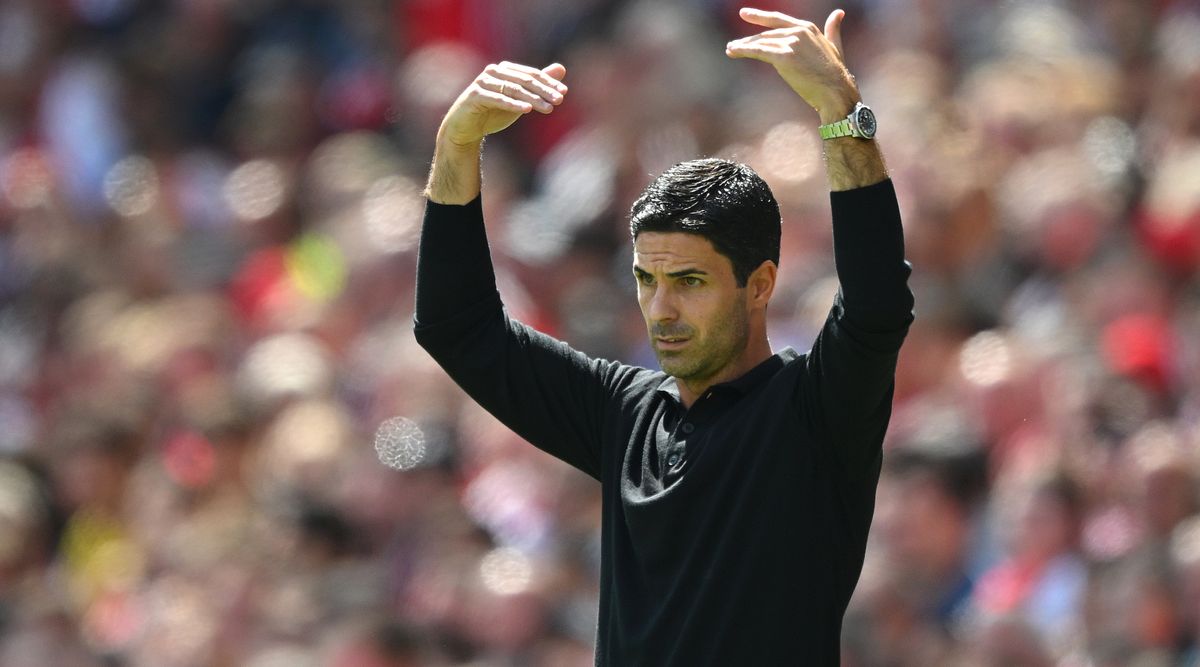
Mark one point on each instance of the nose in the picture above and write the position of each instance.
(661, 306)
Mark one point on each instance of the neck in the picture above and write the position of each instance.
(756, 352)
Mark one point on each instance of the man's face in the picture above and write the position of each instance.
(695, 313)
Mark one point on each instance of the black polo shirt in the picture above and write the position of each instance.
(734, 531)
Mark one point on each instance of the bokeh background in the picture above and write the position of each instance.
(208, 212)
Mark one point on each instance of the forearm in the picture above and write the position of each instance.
(454, 264)
(454, 177)
(868, 244)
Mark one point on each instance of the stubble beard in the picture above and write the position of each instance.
(707, 356)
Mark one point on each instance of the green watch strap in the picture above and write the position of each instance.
(841, 128)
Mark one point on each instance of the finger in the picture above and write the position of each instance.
(529, 83)
(765, 51)
(780, 37)
(781, 32)
(785, 41)
(774, 44)
(503, 102)
(833, 29)
(514, 91)
(520, 86)
(540, 75)
(769, 19)
(556, 71)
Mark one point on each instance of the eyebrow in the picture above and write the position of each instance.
(639, 271)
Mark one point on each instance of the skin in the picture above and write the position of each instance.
(703, 328)
(724, 326)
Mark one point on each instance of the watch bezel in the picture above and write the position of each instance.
(855, 118)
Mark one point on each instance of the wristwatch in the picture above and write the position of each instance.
(860, 123)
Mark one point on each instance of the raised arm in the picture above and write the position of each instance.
(847, 390)
(553, 396)
(811, 62)
(455, 266)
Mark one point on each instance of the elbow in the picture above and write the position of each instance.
(905, 302)
(909, 307)
(444, 332)
(422, 335)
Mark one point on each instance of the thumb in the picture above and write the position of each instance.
(833, 29)
(556, 71)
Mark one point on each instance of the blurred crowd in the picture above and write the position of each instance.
(219, 444)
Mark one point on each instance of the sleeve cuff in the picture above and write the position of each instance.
(867, 201)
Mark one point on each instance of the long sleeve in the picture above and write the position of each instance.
(847, 391)
(454, 265)
(550, 394)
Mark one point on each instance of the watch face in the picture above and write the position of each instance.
(866, 122)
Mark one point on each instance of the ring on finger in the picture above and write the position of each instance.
(502, 88)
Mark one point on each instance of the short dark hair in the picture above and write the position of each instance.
(725, 202)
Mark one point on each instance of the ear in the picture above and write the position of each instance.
(761, 284)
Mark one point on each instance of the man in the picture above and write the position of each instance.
(738, 485)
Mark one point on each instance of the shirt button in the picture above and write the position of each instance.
(688, 428)
(672, 460)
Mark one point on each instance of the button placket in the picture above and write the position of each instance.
(676, 455)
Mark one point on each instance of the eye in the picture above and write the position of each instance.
(645, 278)
(692, 281)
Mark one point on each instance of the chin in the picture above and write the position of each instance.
(677, 366)
(670, 364)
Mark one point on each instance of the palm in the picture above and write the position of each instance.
(477, 120)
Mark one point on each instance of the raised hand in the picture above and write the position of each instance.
(498, 97)
(809, 60)
(495, 99)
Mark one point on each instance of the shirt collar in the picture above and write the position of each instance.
(743, 384)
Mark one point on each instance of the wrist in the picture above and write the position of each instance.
(454, 178)
(838, 103)
(448, 141)
(458, 145)
(836, 109)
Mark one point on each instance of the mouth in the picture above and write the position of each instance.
(672, 343)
